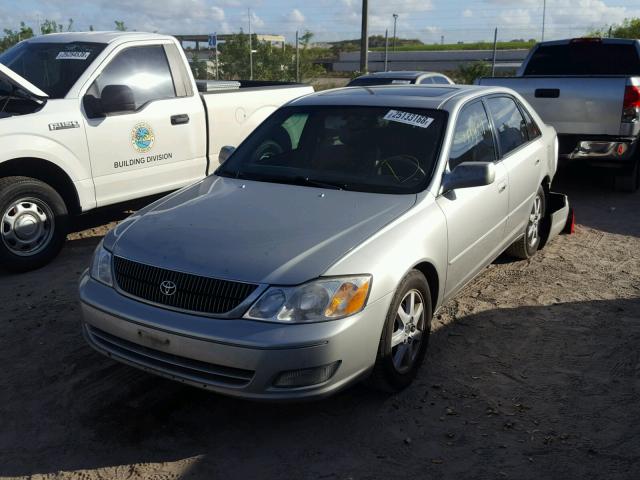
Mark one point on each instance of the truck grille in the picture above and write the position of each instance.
(181, 290)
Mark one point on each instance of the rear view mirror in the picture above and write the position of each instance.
(225, 153)
(469, 174)
(117, 98)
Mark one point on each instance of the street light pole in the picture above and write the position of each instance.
(386, 50)
(364, 39)
(395, 24)
(250, 48)
(544, 14)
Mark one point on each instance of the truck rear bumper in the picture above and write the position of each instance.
(600, 151)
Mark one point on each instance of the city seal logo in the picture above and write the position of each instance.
(142, 138)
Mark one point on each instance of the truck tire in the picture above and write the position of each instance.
(33, 223)
(404, 339)
(527, 245)
(629, 181)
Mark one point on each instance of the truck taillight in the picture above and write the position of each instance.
(631, 104)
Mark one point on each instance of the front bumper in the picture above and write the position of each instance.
(234, 357)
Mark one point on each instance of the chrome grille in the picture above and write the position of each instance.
(192, 292)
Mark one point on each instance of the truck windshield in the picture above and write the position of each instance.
(371, 149)
(52, 67)
(585, 58)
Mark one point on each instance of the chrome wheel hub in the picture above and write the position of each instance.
(408, 331)
(27, 226)
(533, 228)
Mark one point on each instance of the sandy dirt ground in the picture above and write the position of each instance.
(533, 372)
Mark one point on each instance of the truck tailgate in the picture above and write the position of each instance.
(572, 105)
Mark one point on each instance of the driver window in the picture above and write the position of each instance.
(472, 138)
(144, 69)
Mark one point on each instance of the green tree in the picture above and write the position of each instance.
(120, 26)
(11, 37)
(199, 68)
(470, 72)
(629, 28)
(50, 26)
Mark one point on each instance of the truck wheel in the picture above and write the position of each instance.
(527, 245)
(629, 181)
(405, 335)
(33, 223)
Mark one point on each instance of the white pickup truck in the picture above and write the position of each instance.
(96, 118)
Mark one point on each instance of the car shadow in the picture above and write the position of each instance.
(525, 392)
(596, 203)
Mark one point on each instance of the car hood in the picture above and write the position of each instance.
(254, 231)
(13, 78)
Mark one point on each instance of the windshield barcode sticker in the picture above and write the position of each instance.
(408, 118)
(73, 55)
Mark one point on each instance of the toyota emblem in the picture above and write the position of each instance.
(168, 288)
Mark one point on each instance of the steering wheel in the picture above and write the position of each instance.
(403, 163)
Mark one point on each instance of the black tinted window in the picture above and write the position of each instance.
(427, 81)
(372, 149)
(472, 138)
(511, 127)
(52, 67)
(143, 69)
(532, 129)
(585, 58)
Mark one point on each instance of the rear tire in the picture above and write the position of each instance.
(33, 223)
(527, 245)
(629, 181)
(405, 335)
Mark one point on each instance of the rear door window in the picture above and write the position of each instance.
(509, 123)
(472, 138)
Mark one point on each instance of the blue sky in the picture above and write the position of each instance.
(457, 20)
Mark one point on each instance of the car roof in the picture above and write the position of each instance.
(414, 96)
(96, 37)
(402, 74)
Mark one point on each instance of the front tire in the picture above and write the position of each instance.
(33, 223)
(405, 335)
(527, 245)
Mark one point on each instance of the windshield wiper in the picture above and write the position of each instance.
(318, 183)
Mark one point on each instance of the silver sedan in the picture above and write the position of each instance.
(318, 252)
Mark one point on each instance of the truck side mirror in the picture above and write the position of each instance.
(469, 174)
(117, 98)
(225, 153)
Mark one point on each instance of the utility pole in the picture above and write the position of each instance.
(297, 58)
(495, 47)
(544, 14)
(395, 24)
(364, 39)
(250, 48)
(386, 50)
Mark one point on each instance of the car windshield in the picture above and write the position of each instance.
(52, 67)
(371, 149)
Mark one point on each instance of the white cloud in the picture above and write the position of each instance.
(295, 17)
(467, 13)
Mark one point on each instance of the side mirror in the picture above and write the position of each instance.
(469, 174)
(117, 98)
(225, 153)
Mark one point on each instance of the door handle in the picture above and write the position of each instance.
(502, 187)
(179, 119)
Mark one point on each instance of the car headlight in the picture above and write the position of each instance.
(101, 266)
(316, 301)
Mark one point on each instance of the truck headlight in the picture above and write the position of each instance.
(101, 266)
(316, 301)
